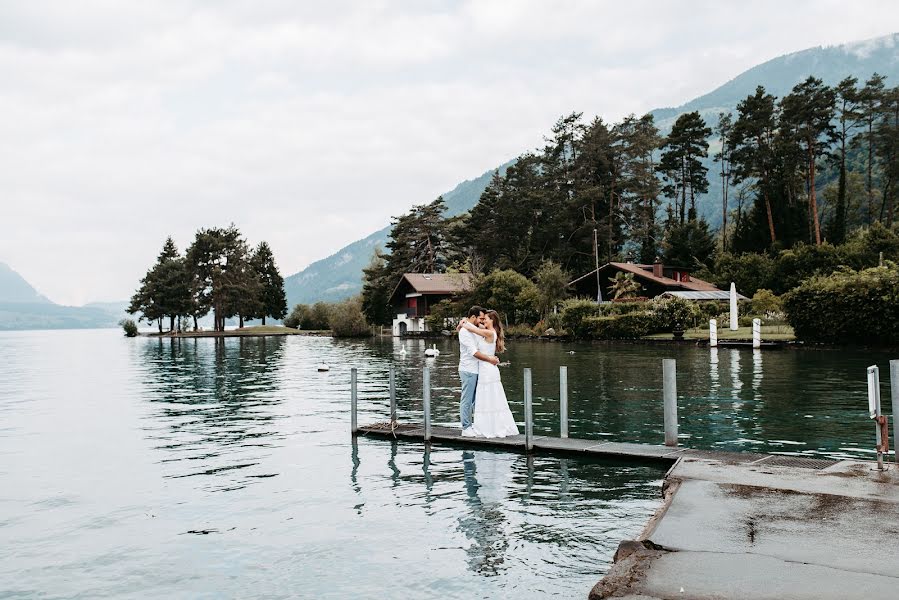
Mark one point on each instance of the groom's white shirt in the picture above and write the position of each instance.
(468, 345)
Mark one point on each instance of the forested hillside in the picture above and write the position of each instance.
(340, 275)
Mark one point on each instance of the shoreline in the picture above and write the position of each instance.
(241, 333)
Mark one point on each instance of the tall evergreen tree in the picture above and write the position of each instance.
(273, 300)
(887, 139)
(870, 98)
(165, 289)
(752, 143)
(722, 157)
(377, 285)
(681, 163)
(217, 260)
(638, 139)
(848, 119)
(809, 112)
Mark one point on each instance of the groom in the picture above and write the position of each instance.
(468, 365)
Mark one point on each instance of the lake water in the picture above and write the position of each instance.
(143, 468)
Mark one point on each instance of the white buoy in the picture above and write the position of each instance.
(756, 333)
(323, 367)
(432, 351)
(734, 320)
(713, 333)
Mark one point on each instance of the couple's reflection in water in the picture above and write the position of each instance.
(487, 477)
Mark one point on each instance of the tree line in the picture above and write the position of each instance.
(808, 168)
(218, 273)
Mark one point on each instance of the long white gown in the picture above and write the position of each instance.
(492, 417)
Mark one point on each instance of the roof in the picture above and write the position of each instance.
(436, 283)
(716, 295)
(645, 272)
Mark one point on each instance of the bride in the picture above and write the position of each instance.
(492, 417)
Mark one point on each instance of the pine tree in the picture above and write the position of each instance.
(638, 139)
(681, 163)
(723, 131)
(849, 118)
(752, 147)
(870, 98)
(887, 139)
(809, 111)
(273, 299)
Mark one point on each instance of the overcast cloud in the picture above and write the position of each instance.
(309, 125)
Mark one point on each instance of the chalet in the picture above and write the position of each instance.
(416, 293)
(657, 280)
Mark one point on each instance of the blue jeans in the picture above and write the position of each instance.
(466, 405)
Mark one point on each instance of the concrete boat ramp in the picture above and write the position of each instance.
(747, 526)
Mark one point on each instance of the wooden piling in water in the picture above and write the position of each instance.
(528, 412)
(426, 401)
(354, 401)
(392, 390)
(563, 402)
(669, 395)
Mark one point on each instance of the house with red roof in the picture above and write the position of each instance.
(416, 293)
(656, 279)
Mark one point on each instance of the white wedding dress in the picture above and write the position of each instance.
(492, 417)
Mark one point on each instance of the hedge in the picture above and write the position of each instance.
(629, 326)
(847, 306)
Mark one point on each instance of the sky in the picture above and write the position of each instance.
(309, 124)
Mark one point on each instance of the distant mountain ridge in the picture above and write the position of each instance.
(22, 307)
(14, 288)
(340, 275)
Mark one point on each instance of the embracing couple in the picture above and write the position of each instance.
(484, 409)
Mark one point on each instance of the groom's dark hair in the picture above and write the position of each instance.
(475, 311)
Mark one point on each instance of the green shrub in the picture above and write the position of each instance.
(749, 271)
(764, 302)
(630, 326)
(129, 326)
(347, 319)
(442, 314)
(574, 312)
(674, 313)
(847, 306)
(521, 330)
(554, 321)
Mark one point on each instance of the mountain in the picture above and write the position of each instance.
(340, 275)
(22, 307)
(14, 288)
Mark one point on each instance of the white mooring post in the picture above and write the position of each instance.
(734, 318)
(528, 412)
(874, 408)
(426, 401)
(563, 402)
(354, 402)
(713, 333)
(392, 385)
(894, 393)
(756, 333)
(669, 394)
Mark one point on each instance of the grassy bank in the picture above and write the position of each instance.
(770, 333)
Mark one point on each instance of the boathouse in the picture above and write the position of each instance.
(657, 279)
(416, 293)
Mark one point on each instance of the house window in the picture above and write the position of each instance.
(412, 307)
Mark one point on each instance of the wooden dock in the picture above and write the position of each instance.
(452, 436)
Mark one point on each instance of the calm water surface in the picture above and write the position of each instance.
(141, 468)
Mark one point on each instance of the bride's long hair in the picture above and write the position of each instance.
(498, 328)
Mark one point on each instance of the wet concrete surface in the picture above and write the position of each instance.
(751, 531)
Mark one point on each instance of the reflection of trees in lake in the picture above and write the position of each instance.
(486, 477)
(211, 402)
